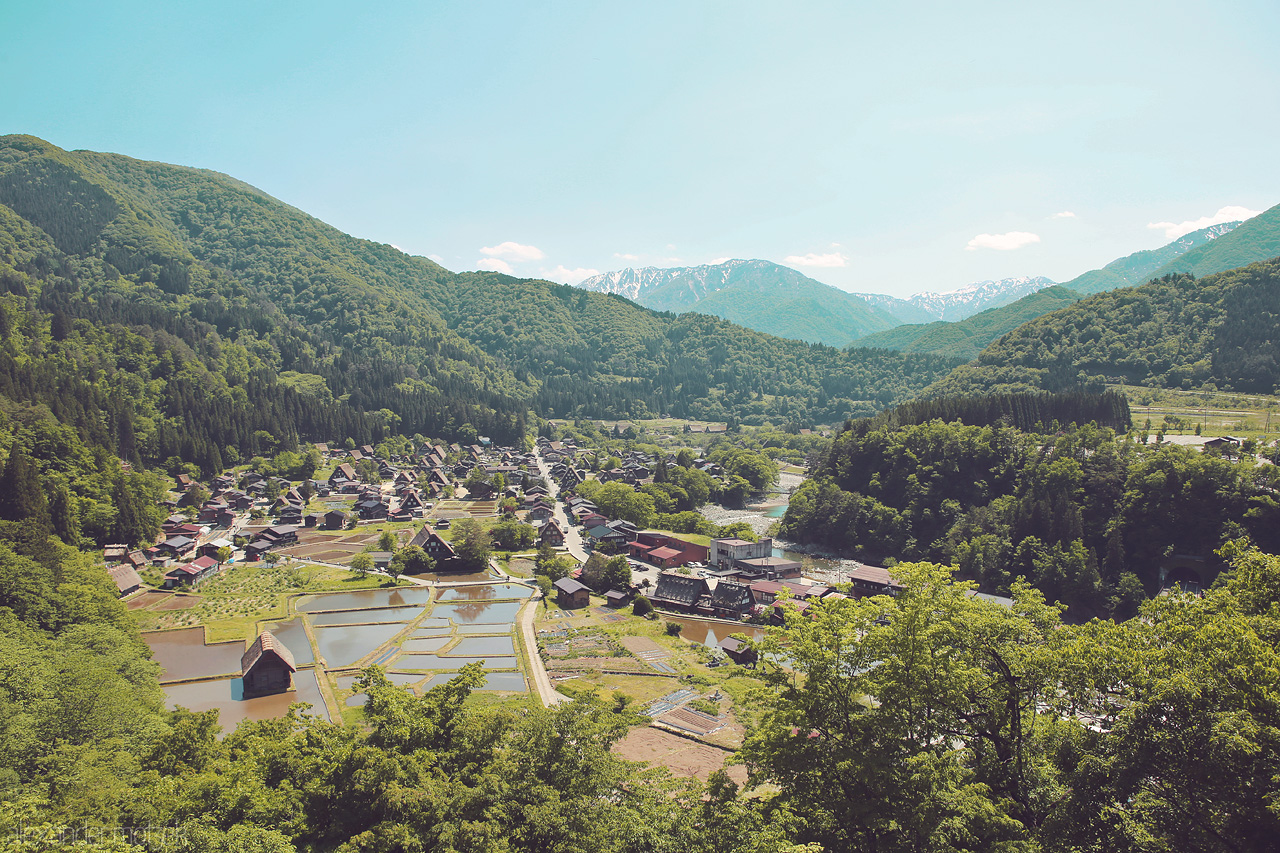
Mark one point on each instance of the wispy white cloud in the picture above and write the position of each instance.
(567, 276)
(437, 259)
(718, 261)
(1003, 242)
(1231, 213)
(513, 252)
(813, 259)
(1066, 214)
(626, 257)
(496, 265)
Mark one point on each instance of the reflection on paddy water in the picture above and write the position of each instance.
(351, 617)
(489, 612)
(429, 661)
(485, 592)
(712, 633)
(294, 636)
(356, 599)
(345, 645)
(226, 695)
(509, 681)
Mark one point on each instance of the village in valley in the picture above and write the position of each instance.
(420, 558)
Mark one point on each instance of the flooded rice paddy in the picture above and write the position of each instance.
(418, 642)
(357, 617)
(182, 654)
(226, 695)
(365, 598)
(711, 634)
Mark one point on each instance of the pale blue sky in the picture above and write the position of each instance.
(880, 139)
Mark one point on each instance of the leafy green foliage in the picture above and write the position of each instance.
(1073, 513)
(1175, 332)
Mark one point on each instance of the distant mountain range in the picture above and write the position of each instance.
(780, 301)
(959, 303)
(771, 298)
(757, 294)
(968, 337)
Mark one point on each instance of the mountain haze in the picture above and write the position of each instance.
(966, 338)
(757, 294)
(961, 302)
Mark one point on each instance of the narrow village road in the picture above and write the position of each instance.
(537, 672)
(572, 535)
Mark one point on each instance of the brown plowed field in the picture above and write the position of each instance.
(681, 756)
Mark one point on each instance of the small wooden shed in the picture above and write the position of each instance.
(267, 666)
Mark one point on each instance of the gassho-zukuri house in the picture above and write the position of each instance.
(267, 666)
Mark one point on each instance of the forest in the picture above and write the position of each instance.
(1091, 519)
(1219, 332)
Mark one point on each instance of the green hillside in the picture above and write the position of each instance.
(1174, 332)
(302, 332)
(1147, 264)
(966, 338)
(1256, 239)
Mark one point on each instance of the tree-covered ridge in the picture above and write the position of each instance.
(1036, 412)
(1174, 332)
(1087, 518)
(934, 721)
(335, 318)
(599, 355)
(966, 338)
(296, 309)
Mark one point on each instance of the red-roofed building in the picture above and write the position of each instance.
(656, 548)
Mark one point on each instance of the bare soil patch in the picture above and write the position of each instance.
(145, 600)
(683, 757)
(178, 602)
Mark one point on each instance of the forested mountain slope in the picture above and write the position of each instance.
(966, 338)
(1176, 332)
(358, 327)
(1140, 267)
(1253, 240)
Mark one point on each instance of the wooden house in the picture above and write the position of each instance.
(680, 592)
(571, 593)
(267, 666)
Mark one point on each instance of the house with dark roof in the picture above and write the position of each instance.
(743, 654)
(616, 598)
(267, 666)
(680, 592)
(434, 545)
(730, 599)
(571, 593)
(872, 580)
(551, 533)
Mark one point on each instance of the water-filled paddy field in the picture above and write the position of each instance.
(420, 635)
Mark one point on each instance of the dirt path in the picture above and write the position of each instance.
(546, 692)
